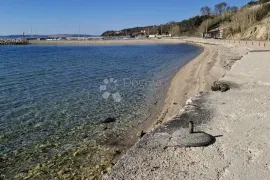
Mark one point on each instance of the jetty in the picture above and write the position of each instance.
(20, 41)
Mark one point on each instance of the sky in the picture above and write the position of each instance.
(94, 16)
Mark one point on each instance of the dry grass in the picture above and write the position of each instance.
(215, 21)
(239, 22)
(246, 18)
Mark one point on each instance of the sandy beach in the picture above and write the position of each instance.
(239, 150)
(198, 76)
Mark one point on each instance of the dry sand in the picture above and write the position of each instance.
(198, 76)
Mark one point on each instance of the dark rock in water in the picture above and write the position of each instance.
(218, 86)
(109, 120)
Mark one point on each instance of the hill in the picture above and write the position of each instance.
(186, 27)
(248, 22)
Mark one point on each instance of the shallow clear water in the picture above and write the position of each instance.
(56, 95)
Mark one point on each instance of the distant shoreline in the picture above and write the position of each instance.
(108, 42)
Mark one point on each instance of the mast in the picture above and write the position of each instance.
(171, 30)
(79, 30)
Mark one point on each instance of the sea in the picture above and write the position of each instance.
(58, 102)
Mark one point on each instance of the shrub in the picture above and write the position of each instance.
(264, 10)
(264, 1)
(252, 3)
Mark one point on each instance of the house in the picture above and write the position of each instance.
(152, 35)
(216, 33)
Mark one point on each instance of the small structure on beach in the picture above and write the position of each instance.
(152, 35)
(216, 33)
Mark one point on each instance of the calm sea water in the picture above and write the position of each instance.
(53, 97)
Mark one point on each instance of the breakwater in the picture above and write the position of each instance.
(14, 42)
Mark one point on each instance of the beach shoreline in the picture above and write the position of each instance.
(157, 109)
(191, 79)
(113, 139)
(167, 109)
(195, 78)
(182, 86)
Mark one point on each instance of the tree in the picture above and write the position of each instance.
(206, 10)
(221, 7)
(175, 30)
(232, 9)
(264, 1)
(251, 3)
